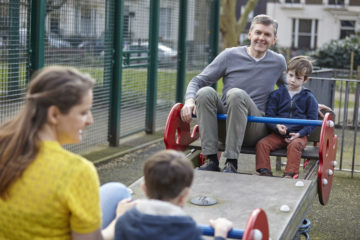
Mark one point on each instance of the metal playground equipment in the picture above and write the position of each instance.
(285, 201)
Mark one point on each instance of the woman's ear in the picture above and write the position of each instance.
(53, 114)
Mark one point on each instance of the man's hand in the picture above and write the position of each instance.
(322, 107)
(281, 128)
(292, 137)
(188, 110)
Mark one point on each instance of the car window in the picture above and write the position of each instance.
(136, 47)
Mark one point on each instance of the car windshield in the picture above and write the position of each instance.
(164, 48)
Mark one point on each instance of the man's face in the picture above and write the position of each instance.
(262, 37)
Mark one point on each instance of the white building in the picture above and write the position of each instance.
(87, 18)
(308, 24)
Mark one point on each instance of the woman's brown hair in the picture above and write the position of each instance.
(63, 87)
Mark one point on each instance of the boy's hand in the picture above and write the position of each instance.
(221, 227)
(188, 110)
(124, 205)
(281, 128)
(292, 137)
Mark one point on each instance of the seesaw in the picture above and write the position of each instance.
(322, 155)
(285, 201)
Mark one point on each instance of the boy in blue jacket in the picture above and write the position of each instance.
(291, 100)
(167, 179)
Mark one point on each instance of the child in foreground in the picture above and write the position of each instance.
(168, 176)
(292, 100)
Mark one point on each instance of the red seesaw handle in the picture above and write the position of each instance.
(256, 228)
(256, 224)
(177, 134)
(327, 159)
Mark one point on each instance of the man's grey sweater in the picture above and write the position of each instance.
(239, 70)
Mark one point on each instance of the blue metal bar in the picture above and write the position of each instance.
(209, 231)
(277, 120)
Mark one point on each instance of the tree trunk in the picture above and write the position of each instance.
(227, 23)
(230, 30)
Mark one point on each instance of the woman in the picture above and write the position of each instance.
(47, 192)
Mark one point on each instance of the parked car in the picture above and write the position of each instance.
(166, 55)
(55, 41)
(96, 45)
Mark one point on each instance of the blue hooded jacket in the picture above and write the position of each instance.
(135, 224)
(303, 105)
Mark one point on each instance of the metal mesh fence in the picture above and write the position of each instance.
(134, 76)
(198, 45)
(76, 35)
(81, 34)
(197, 52)
(13, 55)
(167, 56)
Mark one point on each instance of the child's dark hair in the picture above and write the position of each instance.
(167, 173)
(302, 65)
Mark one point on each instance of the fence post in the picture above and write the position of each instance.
(214, 31)
(36, 50)
(13, 74)
(152, 67)
(356, 117)
(116, 79)
(181, 59)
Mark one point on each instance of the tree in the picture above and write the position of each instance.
(336, 54)
(229, 28)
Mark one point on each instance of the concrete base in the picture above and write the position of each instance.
(238, 194)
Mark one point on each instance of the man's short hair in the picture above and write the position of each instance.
(167, 173)
(301, 65)
(264, 20)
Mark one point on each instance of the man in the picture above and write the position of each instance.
(249, 74)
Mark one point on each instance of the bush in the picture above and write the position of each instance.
(336, 54)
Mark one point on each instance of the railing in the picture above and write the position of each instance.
(340, 90)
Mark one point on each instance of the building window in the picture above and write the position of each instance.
(336, 2)
(55, 22)
(347, 28)
(85, 19)
(165, 23)
(304, 34)
(292, 1)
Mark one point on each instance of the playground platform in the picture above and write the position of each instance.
(339, 219)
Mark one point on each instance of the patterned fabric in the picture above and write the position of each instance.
(58, 193)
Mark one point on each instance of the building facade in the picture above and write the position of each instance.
(308, 24)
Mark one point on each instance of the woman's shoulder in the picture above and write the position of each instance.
(55, 153)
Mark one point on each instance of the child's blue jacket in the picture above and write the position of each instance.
(303, 105)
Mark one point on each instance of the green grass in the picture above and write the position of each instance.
(4, 76)
(351, 104)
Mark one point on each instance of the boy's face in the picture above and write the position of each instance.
(294, 81)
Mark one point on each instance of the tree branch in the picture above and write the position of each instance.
(240, 25)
